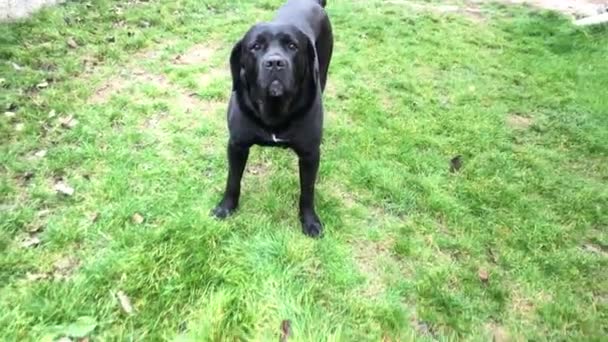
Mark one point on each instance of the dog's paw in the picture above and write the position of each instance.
(222, 211)
(312, 226)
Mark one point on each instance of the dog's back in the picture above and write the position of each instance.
(307, 15)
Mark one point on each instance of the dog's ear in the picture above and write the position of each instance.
(313, 61)
(235, 63)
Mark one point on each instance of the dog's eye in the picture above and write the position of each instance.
(256, 47)
(292, 46)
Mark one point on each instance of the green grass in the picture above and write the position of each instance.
(519, 94)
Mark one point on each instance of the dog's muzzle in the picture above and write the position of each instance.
(276, 89)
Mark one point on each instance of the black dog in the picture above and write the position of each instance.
(279, 70)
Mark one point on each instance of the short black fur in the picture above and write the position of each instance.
(279, 72)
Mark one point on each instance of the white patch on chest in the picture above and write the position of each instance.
(277, 140)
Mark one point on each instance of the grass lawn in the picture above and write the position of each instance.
(124, 104)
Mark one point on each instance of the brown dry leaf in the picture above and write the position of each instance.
(43, 213)
(137, 218)
(27, 175)
(484, 276)
(34, 228)
(36, 276)
(30, 241)
(63, 188)
(455, 164)
(285, 330)
(68, 122)
(492, 255)
(197, 54)
(71, 43)
(125, 302)
(94, 217)
(591, 248)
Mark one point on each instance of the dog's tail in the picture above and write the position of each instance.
(322, 3)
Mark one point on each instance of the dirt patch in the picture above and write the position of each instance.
(125, 80)
(65, 267)
(516, 121)
(595, 249)
(524, 304)
(155, 51)
(474, 12)
(370, 258)
(471, 9)
(186, 108)
(90, 62)
(258, 168)
(338, 120)
(424, 6)
(213, 74)
(189, 101)
(211, 107)
(347, 198)
(154, 121)
(199, 53)
(186, 99)
(192, 111)
(62, 269)
(152, 52)
(330, 89)
(103, 93)
(387, 104)
(576, 8)
(423, 328)
(498, 332)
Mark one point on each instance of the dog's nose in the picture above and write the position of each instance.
(275, 62)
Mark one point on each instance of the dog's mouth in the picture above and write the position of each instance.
(276, 89)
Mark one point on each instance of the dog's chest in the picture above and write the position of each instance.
(264, 138)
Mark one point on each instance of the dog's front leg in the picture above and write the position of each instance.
(309, 165)
(237, 158)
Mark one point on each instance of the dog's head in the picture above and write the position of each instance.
(274, 71)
